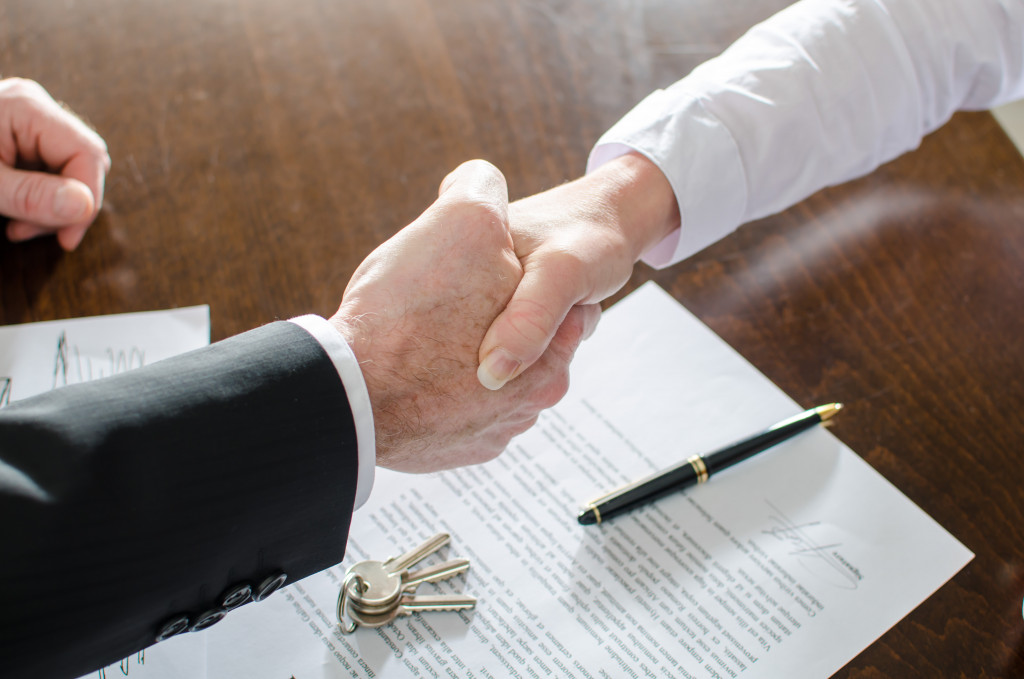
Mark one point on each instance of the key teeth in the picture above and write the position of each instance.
(435, 602)
(442, 571)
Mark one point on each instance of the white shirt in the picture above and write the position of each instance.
(824, 91)
(820, 93)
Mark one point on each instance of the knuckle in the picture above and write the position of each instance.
(483, 169)
(27, 98)
(524, 426)
(24, 88)
(482, 195)
(531, 321)
(555, 390)
(578, 325)
(100, 150)
(479, 212)
(28, 197)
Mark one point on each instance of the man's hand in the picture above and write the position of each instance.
(52, 166)
(415, 313)
(577, 243)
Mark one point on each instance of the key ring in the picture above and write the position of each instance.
(343, 595)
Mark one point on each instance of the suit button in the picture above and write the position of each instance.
(172, 627)
(268, 586)
(236, 596)
(208, 619)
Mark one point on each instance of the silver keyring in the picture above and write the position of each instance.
(343, 595)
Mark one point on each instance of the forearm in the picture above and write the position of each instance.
(631, 196)
(822, 92)
(145, 496)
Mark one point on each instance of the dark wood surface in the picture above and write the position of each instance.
(262, 148)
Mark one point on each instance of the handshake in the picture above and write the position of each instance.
(478, 293)
(464, 323)
(416, 312)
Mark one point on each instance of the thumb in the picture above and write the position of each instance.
(521, 333)
(43, 199)
(476, 181)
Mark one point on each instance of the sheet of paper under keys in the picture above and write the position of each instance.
(785, 566)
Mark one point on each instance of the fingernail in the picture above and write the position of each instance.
(497, 368)
(70, 203)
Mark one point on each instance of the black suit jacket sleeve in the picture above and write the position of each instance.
(129, 501)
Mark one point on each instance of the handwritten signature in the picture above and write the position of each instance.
(125, 666)
(821, 559)
(69, 366)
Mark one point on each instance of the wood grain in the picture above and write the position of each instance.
(262, 148)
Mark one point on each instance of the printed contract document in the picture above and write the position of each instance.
(785, 566)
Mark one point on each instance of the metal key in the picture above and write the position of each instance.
(401, 563)
(373, 588)
(383, 582)
(385, 588)
(414, 604)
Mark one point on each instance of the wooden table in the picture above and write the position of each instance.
(262, 148)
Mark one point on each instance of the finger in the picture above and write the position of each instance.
(91, 170)
(476, 183)
(44, 131)
(21, 231)
(548, 380)
(522, 332)
(70, 237)
(88, 163)
(472, 209)
(43, 199)
(580, 323)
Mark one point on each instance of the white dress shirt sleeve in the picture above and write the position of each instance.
(820, 93)
(358, 397)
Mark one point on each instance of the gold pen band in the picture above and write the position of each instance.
(697, 462)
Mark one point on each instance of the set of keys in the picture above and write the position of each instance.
(375, 593)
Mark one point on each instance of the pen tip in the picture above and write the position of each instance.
(587, 518)
(829, 411)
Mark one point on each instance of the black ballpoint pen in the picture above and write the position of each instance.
(699, 468)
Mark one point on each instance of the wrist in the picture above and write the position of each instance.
(641, 199)
(384, 386)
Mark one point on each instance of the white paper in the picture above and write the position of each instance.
(38, 357)
(785, 566)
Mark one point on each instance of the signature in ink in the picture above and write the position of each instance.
(69, 366)
(125, 665)
(820, 559)
(5, 391)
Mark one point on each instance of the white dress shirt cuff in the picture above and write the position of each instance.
(358, 397)
(820, 93)
(707, 177)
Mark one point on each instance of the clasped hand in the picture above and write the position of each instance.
(52, 166)
(415, 313)
(457, 301)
